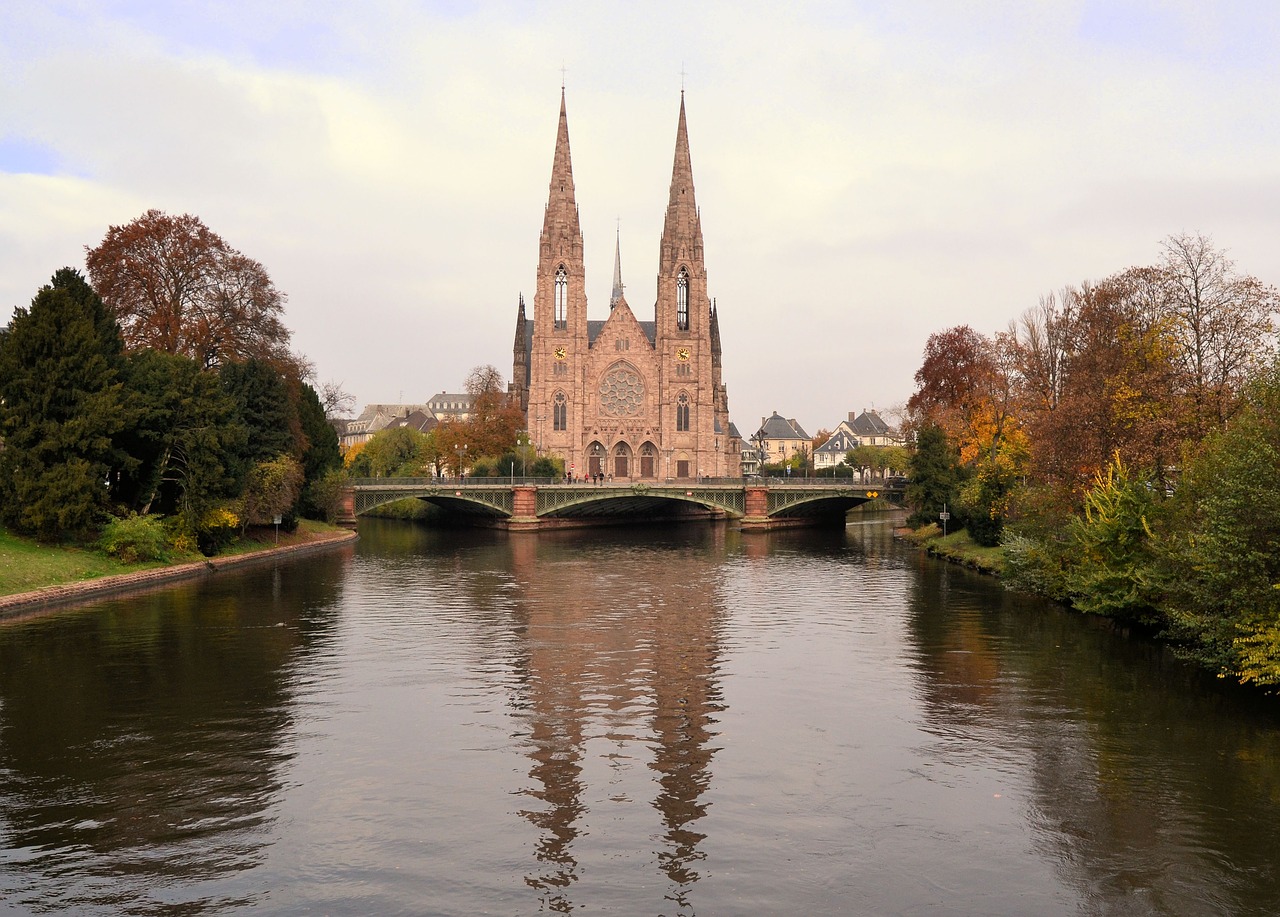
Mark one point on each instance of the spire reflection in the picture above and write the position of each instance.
(619, 666)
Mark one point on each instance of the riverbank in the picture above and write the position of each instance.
(306, 540)
(956, 547)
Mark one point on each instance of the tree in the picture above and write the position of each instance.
(1113, 570)
(320, 452)
(176, 286)
(271, 490)
(336, 401)
(1222, 324)
(1223, 565)
(186, 438)
(61, 409)
(491, 429)
(819, 439)
(266, 410)
(398, 452)
(935, 474)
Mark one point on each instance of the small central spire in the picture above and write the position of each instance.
(617, 269)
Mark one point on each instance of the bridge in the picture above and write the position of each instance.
(529, 504)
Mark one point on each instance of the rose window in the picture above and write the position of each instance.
(621, 392)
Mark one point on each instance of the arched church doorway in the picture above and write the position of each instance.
(595, 459)
(621, 461)
(648, 461)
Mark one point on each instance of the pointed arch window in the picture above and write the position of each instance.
(560, 412)
(682, 413)
(682, 300)
(562, 298)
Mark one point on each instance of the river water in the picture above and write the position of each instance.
(642, 721)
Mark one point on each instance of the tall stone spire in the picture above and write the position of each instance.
(560, 223)
(682, 229)
(617, 271)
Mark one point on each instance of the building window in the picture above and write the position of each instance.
(562, 298)
(682, 300)
(560, 412)
(682, 413)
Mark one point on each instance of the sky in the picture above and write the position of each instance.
(868, 173)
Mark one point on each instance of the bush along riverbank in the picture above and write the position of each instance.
(32, 574)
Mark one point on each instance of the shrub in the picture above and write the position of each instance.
(135, 539)
(218, 528)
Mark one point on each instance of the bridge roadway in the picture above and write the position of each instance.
(530, 504)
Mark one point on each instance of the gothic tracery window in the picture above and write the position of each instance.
(562, 298)
(682, 412)
(682, 300)
(560, 412)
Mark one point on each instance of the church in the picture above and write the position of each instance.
(631, 400)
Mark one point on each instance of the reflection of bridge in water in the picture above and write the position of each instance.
(530, 504)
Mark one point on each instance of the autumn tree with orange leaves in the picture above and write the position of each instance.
(176, 286)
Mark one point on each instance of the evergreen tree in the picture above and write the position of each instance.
(935, 475)
(265, 409)
(321, 454)
(61, 407)
(186, 437)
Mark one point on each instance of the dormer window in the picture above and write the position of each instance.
(682, 300)
(562, 298)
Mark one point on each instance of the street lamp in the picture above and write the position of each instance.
(462, 455)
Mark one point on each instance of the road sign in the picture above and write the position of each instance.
(944, 516)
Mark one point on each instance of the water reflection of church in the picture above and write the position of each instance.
(620, 695)
(631, 399)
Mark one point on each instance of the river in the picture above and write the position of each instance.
(642, 721)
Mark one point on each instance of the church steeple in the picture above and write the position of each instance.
(560, 224)
(617, 271)
(560, 302)
(682, 229)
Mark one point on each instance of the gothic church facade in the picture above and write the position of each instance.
(632, 400)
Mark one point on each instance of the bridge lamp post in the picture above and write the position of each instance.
(462, 455)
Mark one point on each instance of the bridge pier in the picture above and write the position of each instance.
(756, 503)
(347, 508)
(524, 509)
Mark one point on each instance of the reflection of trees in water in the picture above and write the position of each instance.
(141, 739)
(619, 642)
(1154, 791)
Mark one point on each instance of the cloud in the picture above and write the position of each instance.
(867, 175)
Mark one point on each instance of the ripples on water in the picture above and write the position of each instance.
(646, 721)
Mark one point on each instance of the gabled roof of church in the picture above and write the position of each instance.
(594, 326)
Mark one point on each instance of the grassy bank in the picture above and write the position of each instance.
(958, 547)
(27, 565)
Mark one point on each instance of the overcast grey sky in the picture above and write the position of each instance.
(868, 172)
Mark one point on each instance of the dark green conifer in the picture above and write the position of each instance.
(61, 408)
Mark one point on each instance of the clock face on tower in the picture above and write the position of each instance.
(559, 353)
(682, 354)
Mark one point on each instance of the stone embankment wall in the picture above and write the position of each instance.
(23, 604)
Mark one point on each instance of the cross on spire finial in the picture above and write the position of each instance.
(682, 76)
(562, 73)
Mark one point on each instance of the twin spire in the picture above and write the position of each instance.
(682, 222)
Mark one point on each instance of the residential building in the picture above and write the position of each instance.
(779, 438)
